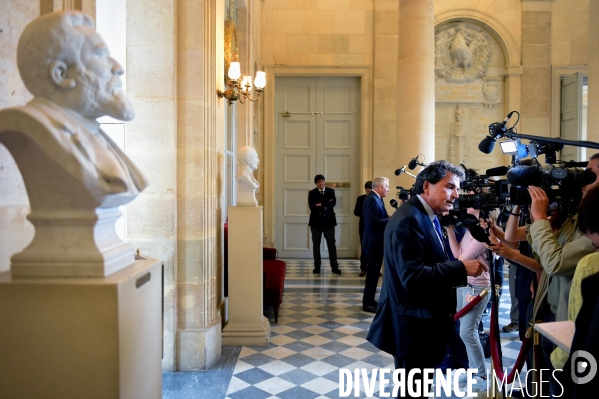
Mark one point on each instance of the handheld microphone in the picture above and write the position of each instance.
(479, 234)
(394, 203)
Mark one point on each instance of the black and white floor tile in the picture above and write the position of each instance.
(321, 329)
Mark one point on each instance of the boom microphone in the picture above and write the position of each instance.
(498, 171)
(496, 130)
(487, 144)
(413, 163)
(526, 175)
(403, 170)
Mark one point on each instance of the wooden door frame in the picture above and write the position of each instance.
(365, 161)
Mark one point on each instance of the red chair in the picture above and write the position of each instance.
(273, 273)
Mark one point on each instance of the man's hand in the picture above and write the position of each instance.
(319, 204)
(474, 267)
(540, 203)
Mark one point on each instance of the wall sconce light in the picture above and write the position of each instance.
(237, 83)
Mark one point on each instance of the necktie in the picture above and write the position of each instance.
(322, 192)
(440, 234)
(438, 227)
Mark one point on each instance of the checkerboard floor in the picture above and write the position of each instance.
(321, 329)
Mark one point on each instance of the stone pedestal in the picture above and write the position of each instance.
(247, 325)
(95, 338)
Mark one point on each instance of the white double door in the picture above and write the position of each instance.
(317, 133)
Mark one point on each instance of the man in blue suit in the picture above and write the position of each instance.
(418, 299)
(375, 221)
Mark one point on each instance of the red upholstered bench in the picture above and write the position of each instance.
(273, 273)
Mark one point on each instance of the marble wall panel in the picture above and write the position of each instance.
(318, 21)
(361, 44)
(305, 44)
(349, 22)
(386, 22)
(361, 4)
(335, 44)
(536, 92)
(14, 203)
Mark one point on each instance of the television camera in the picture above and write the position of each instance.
(561, 181)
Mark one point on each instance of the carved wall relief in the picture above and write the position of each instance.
(462, 54)
(469, 74)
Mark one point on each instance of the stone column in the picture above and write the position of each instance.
(198, 331)
(593, 110)
(415, 83)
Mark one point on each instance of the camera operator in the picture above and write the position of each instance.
(469, 248)
(558, 253)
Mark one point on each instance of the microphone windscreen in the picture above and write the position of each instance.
(413, 163)
(393, 203)
(398, 172)
(478, 233)
(486, 145)
(498, 171)
(526, 175)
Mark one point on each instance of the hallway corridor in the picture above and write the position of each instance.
(321, 329)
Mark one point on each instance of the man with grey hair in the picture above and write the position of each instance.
(418, 298)
(375, 221)
(67, 66)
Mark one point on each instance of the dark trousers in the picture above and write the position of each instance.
(426, 347)
(329, 236)
(522, 320)
(375, 261)
(363, 257)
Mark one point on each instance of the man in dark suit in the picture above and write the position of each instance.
(321, 201)
(418, 299)
(375, 221)
(359, 212)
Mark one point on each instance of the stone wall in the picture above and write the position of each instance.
(15, 231)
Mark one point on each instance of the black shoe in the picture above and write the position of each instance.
(336, 271)
(316, 270)
(369, 309)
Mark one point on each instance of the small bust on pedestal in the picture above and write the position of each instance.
(248, 161)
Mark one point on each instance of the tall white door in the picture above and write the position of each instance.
(317, 133)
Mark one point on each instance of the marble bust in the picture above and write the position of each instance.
(75, 175)
(247, 161)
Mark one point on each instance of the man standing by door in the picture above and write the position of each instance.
(321, 201)
(375, 221)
